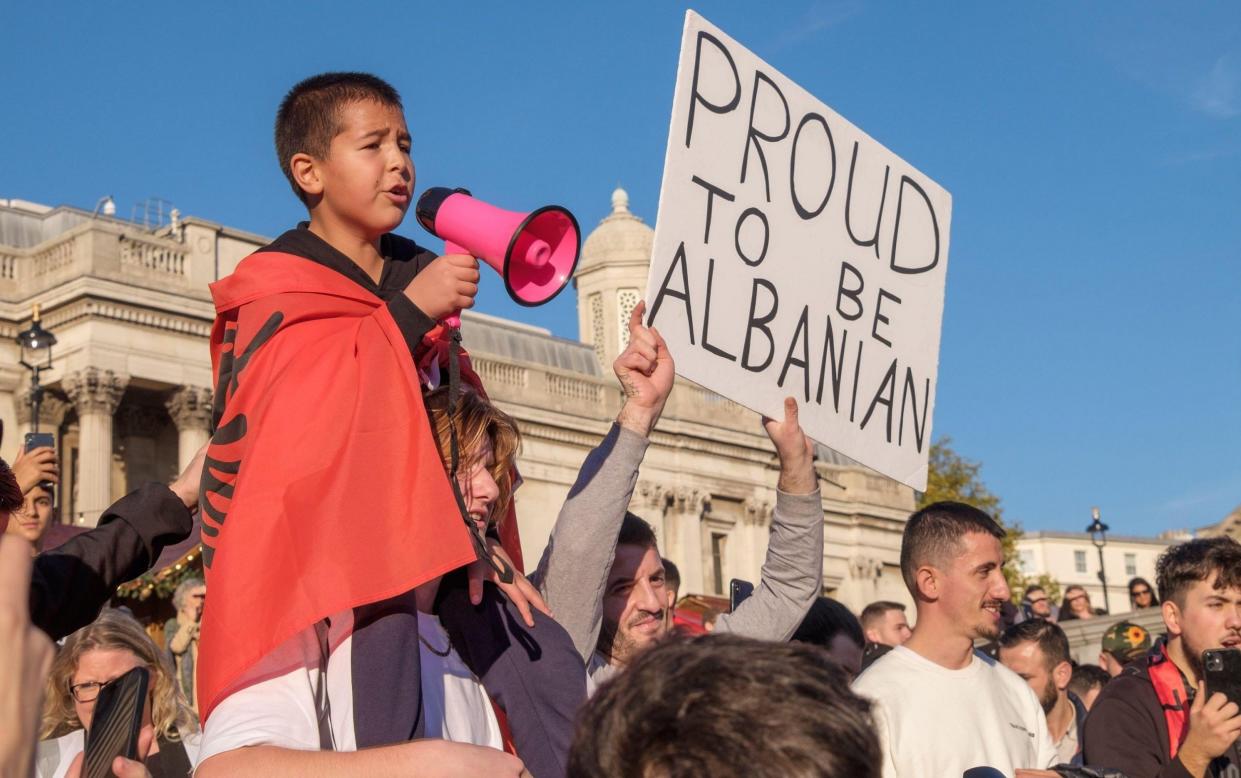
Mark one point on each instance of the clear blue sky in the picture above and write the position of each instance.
(1092, 331)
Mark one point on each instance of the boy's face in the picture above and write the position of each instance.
(367, 179)
(32, 520)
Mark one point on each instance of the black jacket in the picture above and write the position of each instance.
(1126, 730)
(73, 581)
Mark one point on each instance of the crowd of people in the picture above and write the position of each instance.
(409, 640)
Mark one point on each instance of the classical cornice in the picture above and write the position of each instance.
(94, 308)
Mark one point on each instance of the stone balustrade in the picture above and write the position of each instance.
(107, 251)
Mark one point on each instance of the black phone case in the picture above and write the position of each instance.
(1222, 672)
(738, 592)
(116, 722)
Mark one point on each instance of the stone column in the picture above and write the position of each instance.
(95, 394)
(190, 409)
(684, 525)
(52, 412)
(650, 502)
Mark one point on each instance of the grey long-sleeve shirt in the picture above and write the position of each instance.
(574, 569)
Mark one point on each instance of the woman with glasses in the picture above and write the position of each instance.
(1076, 605)
(1142, 594)
(98, 653)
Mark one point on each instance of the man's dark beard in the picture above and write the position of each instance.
(1049, 696)
(1193, 656)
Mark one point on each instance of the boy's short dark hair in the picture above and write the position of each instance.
(826, 619)
(876, 611)
(1031, 589)
(724, 705)
(1185, 564)
(1050, 638)
(933, 535)
(1087, 677)
(309, 115)
(635, 531)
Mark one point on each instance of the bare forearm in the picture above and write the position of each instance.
(273, 762)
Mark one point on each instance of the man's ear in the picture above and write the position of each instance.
(872, 636)
(1061, 674)
(1171, 617)
(928, 580)
(305, 171)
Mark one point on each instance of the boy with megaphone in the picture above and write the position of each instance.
(325, 502)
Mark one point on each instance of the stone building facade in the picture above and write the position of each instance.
(129, 395)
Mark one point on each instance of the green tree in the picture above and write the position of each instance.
(953, 477)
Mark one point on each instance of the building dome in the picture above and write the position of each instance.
(621, 238)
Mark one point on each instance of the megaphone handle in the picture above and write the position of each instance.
(454, 320)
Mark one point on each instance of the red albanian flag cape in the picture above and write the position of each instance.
(323, 489)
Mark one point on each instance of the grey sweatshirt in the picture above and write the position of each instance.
(574, 569)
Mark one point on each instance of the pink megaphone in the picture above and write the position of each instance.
(535, 253)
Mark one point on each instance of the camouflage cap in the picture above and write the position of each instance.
(1126, 641)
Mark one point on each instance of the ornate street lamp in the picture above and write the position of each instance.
(1098, 536)
(36, 344)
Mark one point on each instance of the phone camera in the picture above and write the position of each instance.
(1215, 662)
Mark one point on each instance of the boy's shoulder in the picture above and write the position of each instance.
(301, 242)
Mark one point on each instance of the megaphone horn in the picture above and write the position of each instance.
(535, 253)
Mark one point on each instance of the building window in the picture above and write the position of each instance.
(1079, 561)
(717, 562)
(1131, 565)
(1025, 559)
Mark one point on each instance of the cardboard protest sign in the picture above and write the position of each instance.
(794, 255)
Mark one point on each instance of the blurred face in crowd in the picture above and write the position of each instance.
(1048, 682)
(192, 605)
(479, 487)
(1040, 605)
(891, 630)
(32, 519)
(95, 667)
(1079, 602)
(634, 603)
(1207, 618)
(1142, 595)
(971, 589)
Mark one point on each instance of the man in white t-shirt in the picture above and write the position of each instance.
(942, 708)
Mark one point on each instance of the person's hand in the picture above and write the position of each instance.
(445, 286)
(446, 759)
(795, 450)
(520, 592)
(122, 767)
(33, 467)
(1214, 725)
(25, 655)
(186, 632)
(188, 483)
(646, 372)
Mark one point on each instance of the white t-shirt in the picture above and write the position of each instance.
(937, 722)
(53, 757)
(281, 711)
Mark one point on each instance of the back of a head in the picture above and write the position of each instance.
(1051, 640)
(1185, 564)
(1086, 678)
(309, 115)
(934, 536)
(11, 498)
(826, 619)
(873, 615)
(724, 706)
(672, 576)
